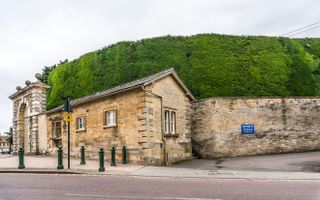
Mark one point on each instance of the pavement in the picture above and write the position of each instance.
(295, 166)
(46, 164)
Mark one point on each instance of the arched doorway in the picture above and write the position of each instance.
(23, 129)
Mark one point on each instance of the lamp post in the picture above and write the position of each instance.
(67, 108)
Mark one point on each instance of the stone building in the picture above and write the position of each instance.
(160, 122)
(29, 105)
(4, 144)
(150, 116)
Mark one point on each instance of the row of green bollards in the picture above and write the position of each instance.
(113, 157)
(82, 157)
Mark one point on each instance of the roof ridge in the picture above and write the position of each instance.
(152, 76)
(125, 86)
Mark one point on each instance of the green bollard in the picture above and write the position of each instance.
(82, 152)
(113, 157)
(124, 155)
(21, 159)
(101, 156)
(60, 158)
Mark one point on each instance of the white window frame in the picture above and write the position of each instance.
(54, 129)
(81, 123)
(170, 121)
(167, 121)
(173, 117)
(111, 118)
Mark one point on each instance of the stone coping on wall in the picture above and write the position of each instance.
(258, 97)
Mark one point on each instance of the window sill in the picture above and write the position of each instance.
(184, 142)
(172, 135)
(81, 130)
(110, 126)
(57, 138)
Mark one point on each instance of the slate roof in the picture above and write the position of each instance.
(127, 86)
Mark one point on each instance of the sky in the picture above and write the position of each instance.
(38, 33)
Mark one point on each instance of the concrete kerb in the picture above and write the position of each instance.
(54, 171)
(49, 164)
(38, 171)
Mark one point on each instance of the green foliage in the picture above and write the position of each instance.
(209, 64)
(47, 70)
(311, 45)
(301, 81)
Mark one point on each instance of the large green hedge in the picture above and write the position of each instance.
(209, 64)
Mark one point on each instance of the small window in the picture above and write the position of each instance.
(169, 122)
(81, 123)
(111, 118)
(166, 121)
(56, 129)
(56, 133)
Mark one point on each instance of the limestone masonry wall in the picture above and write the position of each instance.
(96, 134)
(177, 146)
(281, 125)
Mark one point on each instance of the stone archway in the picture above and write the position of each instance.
(29, 106)
(24, 129)
(21, 126)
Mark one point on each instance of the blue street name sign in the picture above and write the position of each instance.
(247, 128)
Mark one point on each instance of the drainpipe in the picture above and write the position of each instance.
(162, 132)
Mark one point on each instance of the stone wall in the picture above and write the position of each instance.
(42, 127)
(281, 125)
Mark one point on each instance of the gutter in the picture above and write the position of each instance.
(162, 132)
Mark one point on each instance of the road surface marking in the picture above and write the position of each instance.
(133, 197)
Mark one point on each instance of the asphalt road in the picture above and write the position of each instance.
(40, 187)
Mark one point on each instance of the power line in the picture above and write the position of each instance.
(300, 28)
(304, 31)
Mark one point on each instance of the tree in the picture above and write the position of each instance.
(209, 64)
(46, 72)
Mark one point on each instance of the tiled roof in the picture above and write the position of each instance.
(125, 87)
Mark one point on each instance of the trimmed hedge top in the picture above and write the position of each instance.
(209, 64)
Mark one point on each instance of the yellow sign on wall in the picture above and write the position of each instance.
(68, 117)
